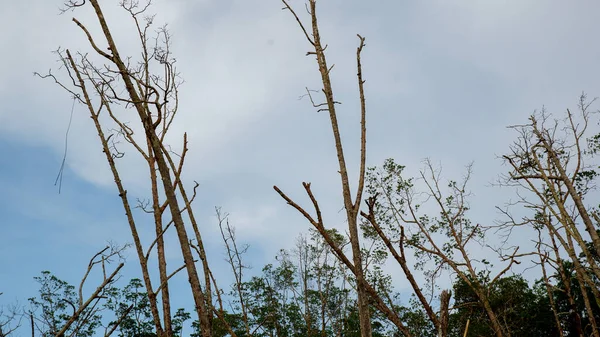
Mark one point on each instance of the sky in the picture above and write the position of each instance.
(443, 80)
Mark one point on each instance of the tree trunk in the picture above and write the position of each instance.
(165, 175)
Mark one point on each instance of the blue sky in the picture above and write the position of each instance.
(444, 78)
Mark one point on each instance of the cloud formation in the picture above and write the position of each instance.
(443, 81)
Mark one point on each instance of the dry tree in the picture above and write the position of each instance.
(550, 164)
(366, 293)
(368, 224)
(112, 89)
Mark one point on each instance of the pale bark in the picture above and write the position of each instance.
(351, 206)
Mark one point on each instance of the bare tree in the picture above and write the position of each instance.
(320, 284)
(148, 87)
(234, 254)
(351, 204)
(10, 319)
(550, 165)
(367, 293)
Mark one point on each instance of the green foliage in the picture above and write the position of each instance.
(58, 300)
(351, 326)
(270, 302)
(399, 204)
(138, 323)
(574, 315)
(180, 317)
(416, 320)
(524, 311)
(55, 304)
(219, 329)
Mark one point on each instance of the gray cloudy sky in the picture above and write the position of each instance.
(444, 78)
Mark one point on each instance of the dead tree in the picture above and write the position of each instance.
(355, 263)
(351, 205)
(550, 165)
(10, 319)
(111, 91)
(234, 253)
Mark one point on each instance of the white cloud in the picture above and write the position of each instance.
(443, 78)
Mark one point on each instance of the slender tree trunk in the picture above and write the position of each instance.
(160, 247)
(123, 196)
(165, 175)
(496, 325)
(444, 313)
(351, 210)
